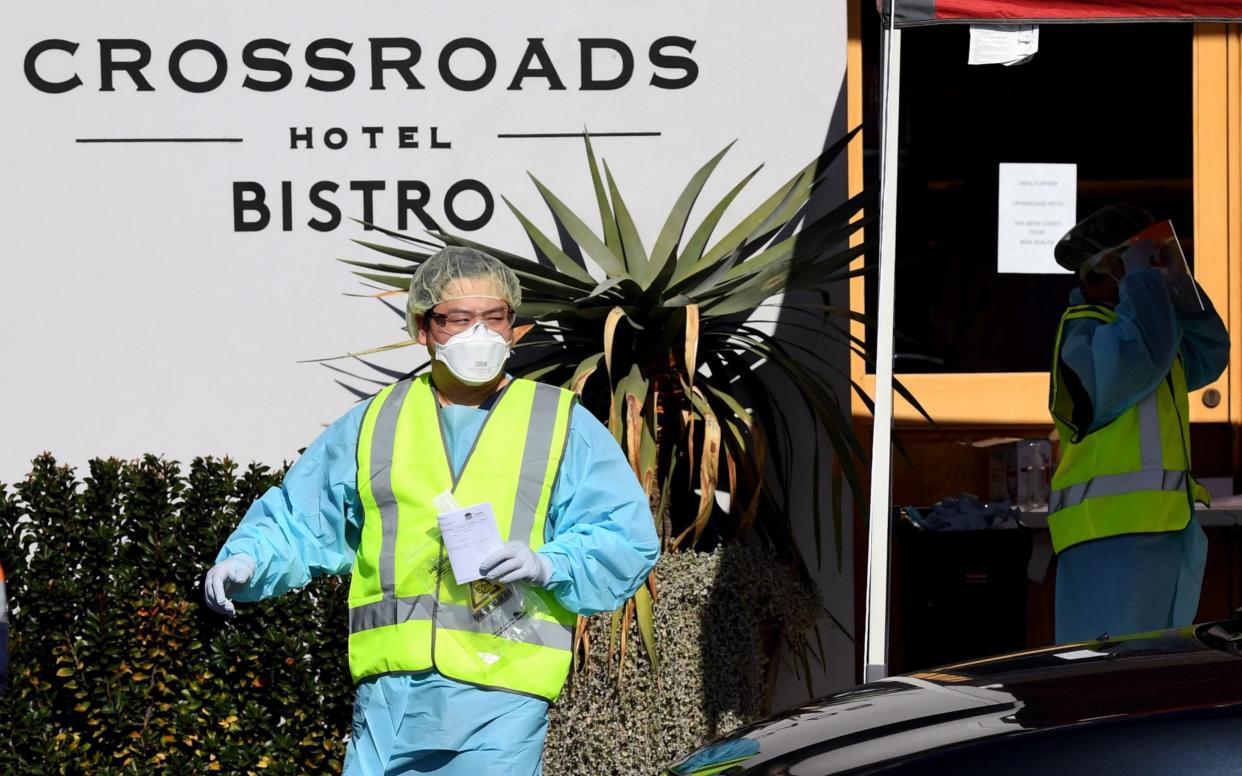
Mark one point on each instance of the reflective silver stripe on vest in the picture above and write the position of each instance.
(503, 624)
(1150, 451)
(500, 622)
(382, 444)
(1116, 485)
(1151, 455)
(535, 454)
(390, 611)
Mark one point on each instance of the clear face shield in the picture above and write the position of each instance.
(1155, 248)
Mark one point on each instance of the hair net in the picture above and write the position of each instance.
(1106, 228)
(454, 273)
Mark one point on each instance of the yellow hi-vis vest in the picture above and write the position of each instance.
(1131, 476)
(406, 611)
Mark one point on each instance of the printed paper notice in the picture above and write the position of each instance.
(1038, 204)
(469, 535)
(1002, 44)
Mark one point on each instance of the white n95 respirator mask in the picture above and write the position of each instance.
(474, 356)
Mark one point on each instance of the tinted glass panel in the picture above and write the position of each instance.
(1113, 98)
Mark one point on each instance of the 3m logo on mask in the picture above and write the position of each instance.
(475, 356)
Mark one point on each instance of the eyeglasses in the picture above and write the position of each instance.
(499, 320)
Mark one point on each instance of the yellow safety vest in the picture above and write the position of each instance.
(1131, 476)
(406, 611)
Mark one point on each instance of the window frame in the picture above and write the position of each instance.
(1021, 398)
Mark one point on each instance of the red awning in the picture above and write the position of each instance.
(913, 13)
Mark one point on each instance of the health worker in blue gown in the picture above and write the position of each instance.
(453, 678)
(1139, 334)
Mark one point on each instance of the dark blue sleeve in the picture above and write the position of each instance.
(1121, 362)
(1205, 344)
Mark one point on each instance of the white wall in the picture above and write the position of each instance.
(134, 315)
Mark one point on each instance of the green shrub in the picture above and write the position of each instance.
(116, 664)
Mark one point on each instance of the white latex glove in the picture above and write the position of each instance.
(225, 577)
(516, 562)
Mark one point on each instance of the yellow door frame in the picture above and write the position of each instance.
(1020, 398)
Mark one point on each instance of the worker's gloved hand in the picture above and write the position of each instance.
(225, 577)
(1144, 254)
(516, 562)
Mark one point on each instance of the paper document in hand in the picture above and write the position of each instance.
(470, 534)
(1172, 261)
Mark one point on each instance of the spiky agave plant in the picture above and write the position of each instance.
(664, 347)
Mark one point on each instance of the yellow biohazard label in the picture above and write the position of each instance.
(483, 593)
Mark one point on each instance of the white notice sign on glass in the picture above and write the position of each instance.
(1002, 45)
(1038, 204)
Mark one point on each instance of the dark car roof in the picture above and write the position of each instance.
(1042, 689)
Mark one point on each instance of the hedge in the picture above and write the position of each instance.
(118, 667)
(116, 664)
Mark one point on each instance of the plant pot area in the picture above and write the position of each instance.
(715, 617)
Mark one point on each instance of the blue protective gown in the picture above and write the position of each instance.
(601, 543)
(1140, 582)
